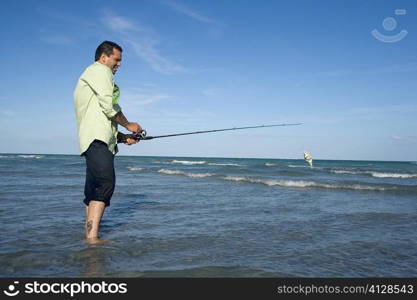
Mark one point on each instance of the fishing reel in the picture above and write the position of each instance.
(139, 136)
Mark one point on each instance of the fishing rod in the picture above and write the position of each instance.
(142, 135)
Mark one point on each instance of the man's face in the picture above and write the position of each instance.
(113, 61)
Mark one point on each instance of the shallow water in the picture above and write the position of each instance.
(211, 217)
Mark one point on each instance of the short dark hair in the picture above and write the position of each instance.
(106, 47)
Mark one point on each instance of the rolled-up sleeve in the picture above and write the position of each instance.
(101, 82)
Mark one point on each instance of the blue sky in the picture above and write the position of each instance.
(198, 65)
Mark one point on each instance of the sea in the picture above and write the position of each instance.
(211, 217)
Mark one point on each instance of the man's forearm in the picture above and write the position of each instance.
(120, 118)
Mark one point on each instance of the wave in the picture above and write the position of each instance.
(225, 164)
(344, 172)
(188, 162)
(270, 165)
(163, 162)
(178, 172)
(31, 156)
(297, 166)
(391, 175)
(376, 174)
(307, 184)
(134, 168)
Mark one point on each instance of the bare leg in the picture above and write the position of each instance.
(86, 216)
(94, 212)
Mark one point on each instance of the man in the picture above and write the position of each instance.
(95, 98)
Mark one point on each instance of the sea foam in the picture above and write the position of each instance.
(134, 168)
(188, 162)
(376, 174)
(225, 164)
(304, 184)
(188, 174)
(391, 175)
(31, 156)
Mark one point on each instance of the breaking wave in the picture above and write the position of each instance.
(391, 175)
(31, 156)
(188, 174)
(307, 184)
(344, 172)
(134, 168)
(189, 162)
(376, 174)
(224, 164)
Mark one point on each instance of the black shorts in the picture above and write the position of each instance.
(100, 176)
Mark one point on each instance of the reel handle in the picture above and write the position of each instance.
(140, 136)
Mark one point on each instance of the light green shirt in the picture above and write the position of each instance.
(95, 100)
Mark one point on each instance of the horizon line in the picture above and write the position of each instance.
(223, 157)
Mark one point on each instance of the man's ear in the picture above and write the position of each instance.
(102, 57)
